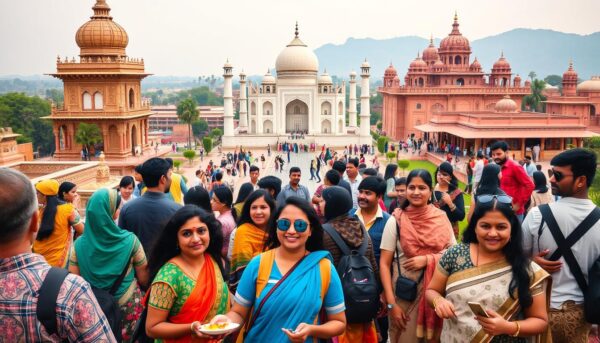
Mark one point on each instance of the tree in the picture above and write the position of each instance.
(207, 143)
(199, 127)
(189, 154)
(554, 80)
(534, 100)
(381, 143)
(403, 164)
(88, 135)
(188, 113)
(216, 133)
(532, 75)
(390, 155)
(177, 164)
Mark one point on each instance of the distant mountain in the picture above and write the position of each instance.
(543, 51)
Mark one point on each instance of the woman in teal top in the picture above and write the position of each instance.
(290, 313)
(102, 252)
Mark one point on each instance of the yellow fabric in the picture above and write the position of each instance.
(359, 332)
(47, 187)
(57, 246)
(175, 188)
(368, 225)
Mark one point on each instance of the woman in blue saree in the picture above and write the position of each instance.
(293, 266)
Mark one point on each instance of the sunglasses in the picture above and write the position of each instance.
(558, 176)
(300, 225)
(503, 199)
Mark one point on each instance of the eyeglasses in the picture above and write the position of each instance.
(300, 225)
(503, 199)
(558, 176)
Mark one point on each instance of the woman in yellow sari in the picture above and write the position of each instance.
(490, 268)
(55, 237)
(188, 286)
(251, 233)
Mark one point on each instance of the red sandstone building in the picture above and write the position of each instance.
(444, 79)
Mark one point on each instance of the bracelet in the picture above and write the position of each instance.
(192, 326)
(452, 208)
(435, 301)
(518, 329)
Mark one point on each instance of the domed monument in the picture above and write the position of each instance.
(297, 100)
(102, 87)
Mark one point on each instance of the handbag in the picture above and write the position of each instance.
(406, 289)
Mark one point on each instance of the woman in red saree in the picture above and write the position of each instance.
(188, 287)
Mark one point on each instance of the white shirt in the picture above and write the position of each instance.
(354, 186)
(569, 212)
(478, 170)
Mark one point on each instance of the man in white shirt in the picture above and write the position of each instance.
(353, 177)
(529, 166)
(573, 173)
(477, 171)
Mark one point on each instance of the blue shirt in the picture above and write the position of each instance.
(288, 191)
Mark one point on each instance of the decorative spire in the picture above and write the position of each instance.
(455, 30)
(101, 10)
(431, 41)
(455, 16)
(296, 33)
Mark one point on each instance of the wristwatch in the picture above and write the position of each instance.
(390, 306)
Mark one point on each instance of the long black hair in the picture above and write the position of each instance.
(225, 197)
(447, 168)
(198, 196)
(314, 242)
(513, 250)
(165, 246)
(244, 192)
(539, 179)
(65, 187)
(420, 173)
(48, 218)
(490, 183)
(390, 171)
(257, 194)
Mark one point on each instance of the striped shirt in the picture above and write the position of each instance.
(79, 317)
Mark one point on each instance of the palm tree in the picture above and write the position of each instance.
(188, 113)
(534, 100)
(532, 75)
(88, 135)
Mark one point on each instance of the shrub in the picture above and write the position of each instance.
(381, 143)
(391, 155)
(189, 154)
(403, 164)
(177, 164)
(207, 143)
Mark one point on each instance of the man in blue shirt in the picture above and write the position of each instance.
(147, 215)
(294, 188)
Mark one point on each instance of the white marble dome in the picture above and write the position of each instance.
(297, 57)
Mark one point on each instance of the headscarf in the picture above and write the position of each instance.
(539, 179)
(47, 187)
(104, 249)
(337, 202)
(490, 183)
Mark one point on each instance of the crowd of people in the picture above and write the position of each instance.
(365, 258)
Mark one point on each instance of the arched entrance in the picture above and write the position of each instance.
(268, 126)
(134, 141)
(296, 116)
(253, 126)
(62, 137)
(325, 126)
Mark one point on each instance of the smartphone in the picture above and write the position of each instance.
(478, 309)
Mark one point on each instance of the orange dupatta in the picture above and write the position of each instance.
(201, 300)
(426, 231)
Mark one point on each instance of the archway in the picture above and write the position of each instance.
(253, 108)
(296, 116)
(113, 139)
(267, 108)
(134, 141)
(341, 126)
(87, 101)
(268, 126)
(421, 82)
(340, 109)
(460, 81)
(437, 107)
(62, 137)
(325, 108)
(457, 60)
(253, 126)
(131, 98)
(325, 126)
(98, 101)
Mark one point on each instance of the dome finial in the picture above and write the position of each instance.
(455, 15)
(431, 40)
(296, 33)
(101, 9)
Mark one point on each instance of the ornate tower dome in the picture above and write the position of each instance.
(430, 54)
(455, 41)
(569, 81)
(297, 57)
(417, 64)
(325, 78)
(501, 64)
(475, 66)
(268, 78)
(390, 71)
(506, 105)
(101, 36)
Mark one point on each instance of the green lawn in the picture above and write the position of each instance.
(431, 168)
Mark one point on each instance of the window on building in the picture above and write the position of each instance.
(552, 144)
(131, 98)
(87, 101)
(514, 144)
(98, 101)
(418, 106)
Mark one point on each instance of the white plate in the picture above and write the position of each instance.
(230, 327)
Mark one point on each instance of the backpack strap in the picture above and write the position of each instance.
(48, 294)
(565, 249)
(337, 239)
(579, 231)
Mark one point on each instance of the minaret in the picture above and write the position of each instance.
(352, 108)
(569, 81)
(243, 104)
(228, 100)
(365, 100)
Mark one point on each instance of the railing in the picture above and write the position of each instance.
(105, 59)
(454, 90)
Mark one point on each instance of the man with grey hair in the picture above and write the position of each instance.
(75, 313)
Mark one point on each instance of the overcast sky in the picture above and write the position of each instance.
(194, 37)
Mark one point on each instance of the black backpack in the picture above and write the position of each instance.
(359, 282)
(590, 289)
